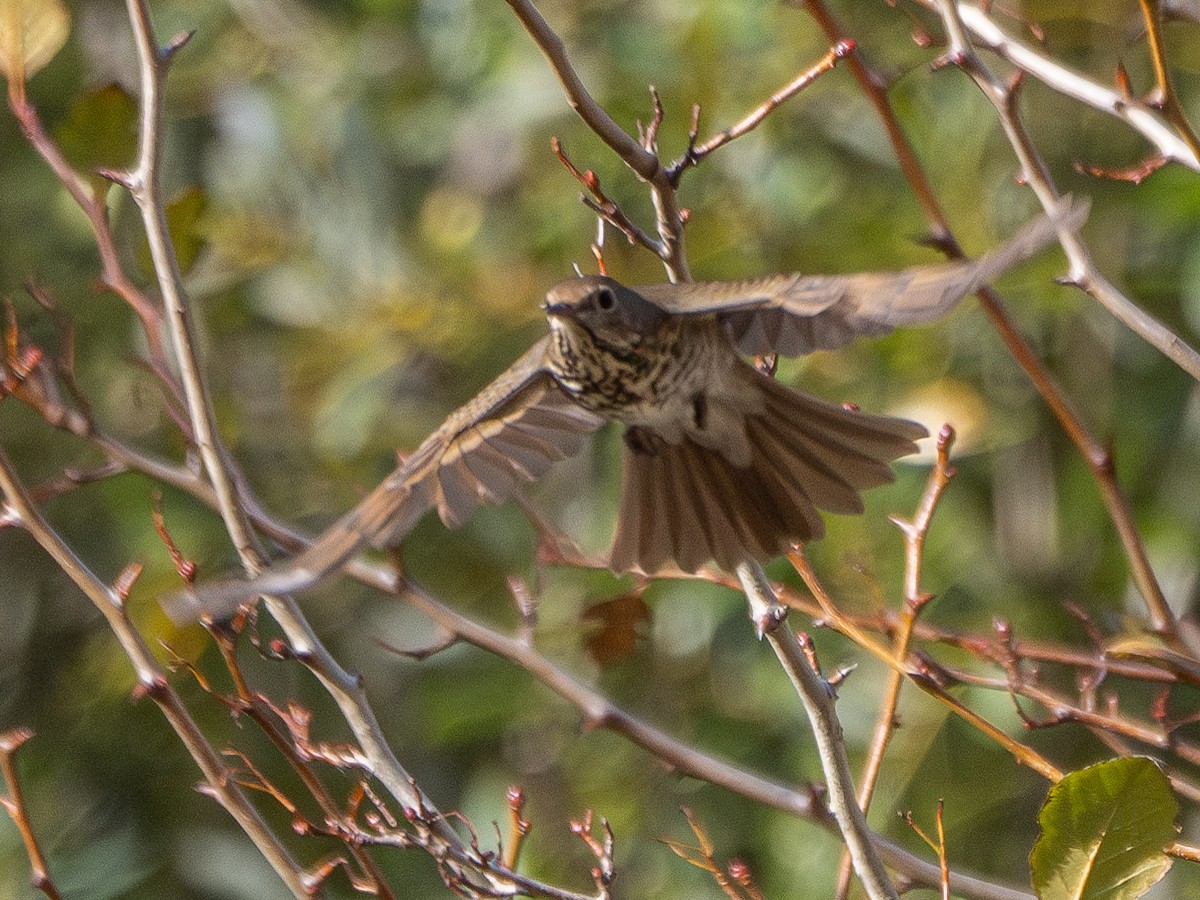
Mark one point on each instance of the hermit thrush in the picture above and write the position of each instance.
(722, 462)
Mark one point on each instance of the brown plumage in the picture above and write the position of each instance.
(722, 463)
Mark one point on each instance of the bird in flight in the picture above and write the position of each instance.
(722, 463)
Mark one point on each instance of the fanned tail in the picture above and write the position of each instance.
(684, 505)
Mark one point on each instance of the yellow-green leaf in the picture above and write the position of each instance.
(1103, 832)
(31, 32)
(100, 131)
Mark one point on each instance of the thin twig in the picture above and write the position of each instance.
(1084, 274)
(1171, 107)
(817, 698)
(93, 206)
(914, 532)
(14, 805)
(696, 153)
(153, 681)
(920, 673)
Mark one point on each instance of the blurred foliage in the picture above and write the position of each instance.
(376, 212)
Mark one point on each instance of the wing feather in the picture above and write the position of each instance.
(507, 435)
(794, 314)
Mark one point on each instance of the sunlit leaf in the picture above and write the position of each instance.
(1103, 832)
(31, 32)
(100, 131)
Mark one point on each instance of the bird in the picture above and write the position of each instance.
(722, 462)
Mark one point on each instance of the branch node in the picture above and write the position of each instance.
(173, 46)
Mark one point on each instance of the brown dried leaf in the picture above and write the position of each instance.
(618, 622)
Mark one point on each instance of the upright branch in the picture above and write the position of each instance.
(914, 602)
(144, 183)
(816, 695)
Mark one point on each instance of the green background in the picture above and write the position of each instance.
(381, 213)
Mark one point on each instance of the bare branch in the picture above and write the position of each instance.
(696, 153)
(153, 681)
(1084, 274)
(1136, 115)
(14, 805)
(817, 698)
(642, 161)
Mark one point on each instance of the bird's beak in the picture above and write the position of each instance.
(563, 310)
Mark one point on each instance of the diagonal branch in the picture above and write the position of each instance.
(1084, 274)
(1070, 83)
(152, 680)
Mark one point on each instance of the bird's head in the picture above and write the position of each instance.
(609, 312)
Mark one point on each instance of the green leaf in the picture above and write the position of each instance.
(1103, 832)
(31, 33)
(100, 131)
(184, 213)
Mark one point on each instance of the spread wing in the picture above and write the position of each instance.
(794, 314)
(508, 435)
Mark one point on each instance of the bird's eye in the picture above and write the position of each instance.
(605, 299)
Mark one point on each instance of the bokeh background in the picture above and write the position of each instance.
(377, 212)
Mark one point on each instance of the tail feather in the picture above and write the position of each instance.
(683, 504)
(809, 473)
(738, 492)
(696, 529)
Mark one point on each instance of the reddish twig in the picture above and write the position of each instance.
(14, 805)
(695, 154)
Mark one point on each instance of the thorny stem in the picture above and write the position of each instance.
(914, 601)
(920, 674)
(816, 696)
(145, 185)
(153, 681)
(599, 711)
